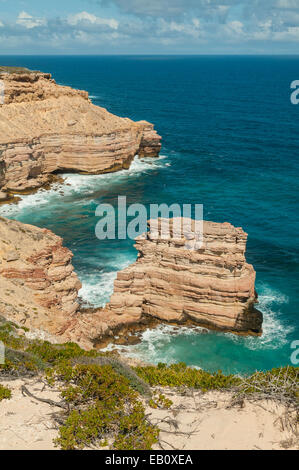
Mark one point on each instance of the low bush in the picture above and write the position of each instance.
(55, 353)
(179, 375)
(5, 393)
(102, 407)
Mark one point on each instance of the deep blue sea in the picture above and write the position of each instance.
(231, 143)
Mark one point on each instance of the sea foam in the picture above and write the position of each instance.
(78, 185)
(160, 344)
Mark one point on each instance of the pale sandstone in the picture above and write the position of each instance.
(181, 280)
(47, 128)
(38, 286)
(171, 281)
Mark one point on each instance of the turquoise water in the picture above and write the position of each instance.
(230, 142)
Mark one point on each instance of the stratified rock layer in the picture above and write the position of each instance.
(39, 288)
(46, 128)
(181, 280)
(173, 280)
(38, 285)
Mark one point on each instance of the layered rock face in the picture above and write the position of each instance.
(39, 288)
(174, 280)
(180, 280)
(38, 285)
(46, 128)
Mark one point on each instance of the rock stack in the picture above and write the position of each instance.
(180, 280)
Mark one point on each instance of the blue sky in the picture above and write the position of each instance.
(149, 27)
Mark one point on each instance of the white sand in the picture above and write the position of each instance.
(208, 423)
(197, 421)
(26, 423)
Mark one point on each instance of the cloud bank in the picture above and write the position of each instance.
(158, 26)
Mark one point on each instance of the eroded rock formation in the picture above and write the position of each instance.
(179, 280)
(39, 288)
(47, 128)
(38, 285)
(173, 280)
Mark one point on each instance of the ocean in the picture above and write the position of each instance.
(231, 143)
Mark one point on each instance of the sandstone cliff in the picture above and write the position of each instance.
(38, 286)
(46, 128)
(172, 280)
(176, 281)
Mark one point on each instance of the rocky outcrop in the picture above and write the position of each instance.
(180, 280)
(38, 285)
(46, 128)
(25, 86)
(39, 288)
(174, 280)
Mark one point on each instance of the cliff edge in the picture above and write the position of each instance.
(38, 285)
(172, 280)
(46, 128)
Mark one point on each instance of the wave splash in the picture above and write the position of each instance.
(79, 185)
(166, 343)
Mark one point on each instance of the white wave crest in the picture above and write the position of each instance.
(76, 184)
(153, 341)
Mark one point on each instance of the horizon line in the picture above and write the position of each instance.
(150, 54)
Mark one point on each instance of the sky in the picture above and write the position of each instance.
(149, 27)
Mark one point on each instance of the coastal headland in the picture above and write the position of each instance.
(47, 129)
(57, 389)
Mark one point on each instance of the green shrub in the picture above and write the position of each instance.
(120, 368)
(54, 353)
(106, 407)
(160, 401)
(9, 336)
(178, 375)
(5, 393)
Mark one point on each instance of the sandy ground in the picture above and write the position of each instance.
(194, 421)
(26, 423)
(207, 422)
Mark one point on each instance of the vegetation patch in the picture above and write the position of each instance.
(279, 384)
(103, 399)
(7, 69)
(179, 375)
(5, 393)
(160, 401)
(103, 407)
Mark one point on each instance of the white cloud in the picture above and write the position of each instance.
(236, 27)
(291, 34)
(85, 17)
(161, 25)
(28, 21)
(174, 28)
